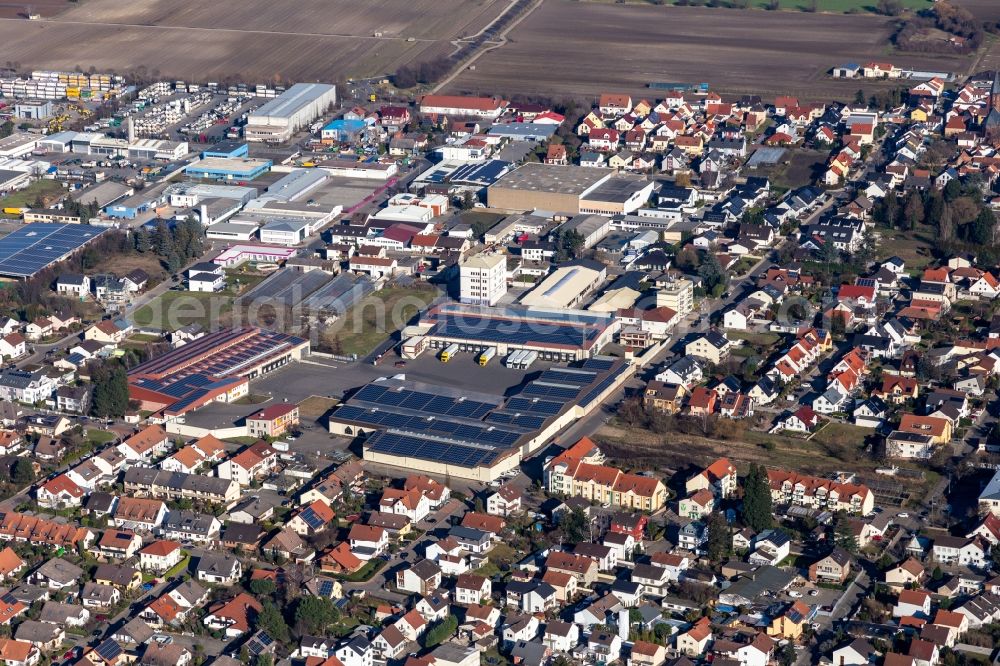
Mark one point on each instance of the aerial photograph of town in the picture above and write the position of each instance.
(499, 332)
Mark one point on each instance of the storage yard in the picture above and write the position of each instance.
(309, 40)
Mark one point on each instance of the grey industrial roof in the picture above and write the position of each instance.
(618, 189)
(292, 100)
(553, 178)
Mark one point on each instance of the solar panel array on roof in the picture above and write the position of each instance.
(595, 391)
(485, 173)
(226, 352)
(598, 363)
(547, 390)
(490, 330)
(429, 403)
(426, 422)
(534, 406)
(109, 650)
(259, 643)
(31, 248)
(311, 519)
(326, 588)
(462, 454)
(444, 427)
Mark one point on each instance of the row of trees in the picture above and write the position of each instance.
(956, 211)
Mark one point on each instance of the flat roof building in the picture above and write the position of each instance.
(569, 189)
(556, 334)
(228, 168)
(567, 286)
(18, 144)
(470, 435)
(294, 109)
(483, 279)
(104, 194)
(618, 194)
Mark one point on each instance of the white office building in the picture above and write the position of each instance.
(483, 279)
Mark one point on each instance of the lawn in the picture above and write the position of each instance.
(915, 247)
(372, 321)
(100, 437)
(366, 572)
(176, 309)
(316, 406)
(48, 189)
(767, 339)
(238, 280)
(178, 568)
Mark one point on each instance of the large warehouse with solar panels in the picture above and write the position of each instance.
(477, 436)
(34, 247)
(555, 334)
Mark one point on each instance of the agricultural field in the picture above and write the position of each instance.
(254, 40)
(984, 10)
(615, 48)
(44, 8)
(833, 6)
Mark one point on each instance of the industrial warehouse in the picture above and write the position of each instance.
(34, 247)
(552, 334)
(570, 190)
(294, 109)
(469, 435)
(216, 367)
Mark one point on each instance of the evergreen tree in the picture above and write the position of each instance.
(163, 240)
(262, 587)
(980, 231)
(843, 533)
(575, 526)
(143, 243)
(887, 209)
(314, 614)
(441, 631)
(23, 472)
(110, 391)
(270, 620)
(181, 238)
(828, 252)
(719, 541)
(174, 262)
(757, 506)
(952, 190)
